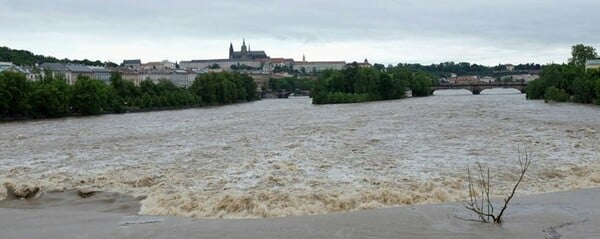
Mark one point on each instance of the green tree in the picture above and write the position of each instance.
(597, 100)
(15, 91)
(555, 94)
(148, 87)
(124, 89)
(379, 67)
(51, 97)
(421, 84)
(250, 87)
(580, 53)
(90, 96)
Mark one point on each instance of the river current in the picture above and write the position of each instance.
(288, 157)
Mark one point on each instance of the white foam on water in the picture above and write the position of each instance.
(288, 157)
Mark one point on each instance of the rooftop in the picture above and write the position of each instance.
(132, 62)
(320, 62)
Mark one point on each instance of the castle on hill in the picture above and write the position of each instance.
(245, 53)
(258, 62)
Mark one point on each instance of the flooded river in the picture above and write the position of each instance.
(289, 157)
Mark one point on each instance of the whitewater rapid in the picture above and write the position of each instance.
(288, 157)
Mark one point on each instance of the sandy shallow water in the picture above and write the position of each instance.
(277, 158)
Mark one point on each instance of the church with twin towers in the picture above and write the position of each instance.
(258, 62)
(245, 53)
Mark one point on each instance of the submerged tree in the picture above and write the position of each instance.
(480, 202)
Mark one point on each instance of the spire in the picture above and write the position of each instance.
(230, 50)
(303, 58)
(244, 48)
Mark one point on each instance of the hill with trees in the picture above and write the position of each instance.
(27, 58)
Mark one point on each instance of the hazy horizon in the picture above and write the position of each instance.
(388, 32)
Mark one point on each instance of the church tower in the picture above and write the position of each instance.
(230, 50)
(244, 52)
(244, 48)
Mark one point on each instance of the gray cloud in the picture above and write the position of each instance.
(524, 28)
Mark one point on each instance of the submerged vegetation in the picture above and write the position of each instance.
(359, 84)
(53, 97)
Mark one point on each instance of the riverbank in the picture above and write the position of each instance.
(573, 214)
(128, 111)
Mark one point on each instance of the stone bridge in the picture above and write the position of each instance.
(477, 88)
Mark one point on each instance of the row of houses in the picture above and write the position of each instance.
(9, 66)
(179, 77)
(488, 79)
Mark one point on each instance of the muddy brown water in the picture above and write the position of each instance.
(288, 157)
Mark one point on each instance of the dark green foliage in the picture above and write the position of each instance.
(90, 96)
(357, 84)
(344, 98)
(464, 68)
(284, 68)
(250, 86)
(15, 91)
(580, 53)
(555, 94)
(123, 88)
(597, 87)
(26, 58)
(568, 81)
(291, 84)
(52, 96)
(421, 84)
(536, 89)
(224, 88)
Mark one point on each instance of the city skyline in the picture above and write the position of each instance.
(387, 32)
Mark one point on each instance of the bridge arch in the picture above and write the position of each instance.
(477, 88)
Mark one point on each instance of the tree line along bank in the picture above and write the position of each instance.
(359, 84)
(572, 82)
(53, 97)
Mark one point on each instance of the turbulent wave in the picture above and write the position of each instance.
(282, 158)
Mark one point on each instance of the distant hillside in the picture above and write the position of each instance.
(27, 58)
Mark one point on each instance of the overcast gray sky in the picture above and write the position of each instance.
(478, 31)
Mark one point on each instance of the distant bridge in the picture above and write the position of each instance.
(477, 88)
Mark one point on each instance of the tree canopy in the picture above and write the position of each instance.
(568, 82)
(27, 58)
(357, 84)
(53, 97)
(580, 53)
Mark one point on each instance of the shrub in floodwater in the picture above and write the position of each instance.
(554, 94)
(479, 193)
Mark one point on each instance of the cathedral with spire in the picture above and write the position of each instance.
(245, 53)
